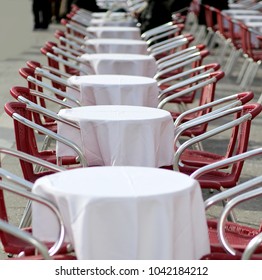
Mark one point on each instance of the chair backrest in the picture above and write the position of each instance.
(25, 138)
(26, 72)
(234, 31)
(170, 32)
(240, 130)
(244, 37)
(252, 44)
(53, 82)
(55, 61)
(49, 48)
(178, 64)
(25, 128)
(171, 46)
(222, 23)
(188, 82)
(210, 17)
(158, 30)
(220, 104)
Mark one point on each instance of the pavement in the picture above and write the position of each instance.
(20, 44)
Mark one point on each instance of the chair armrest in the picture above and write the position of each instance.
(33, 107)
(28, 158)
(50, 98)
(64, 62)
(171, 31)
(26, 237)
(156, 30)
(66, 54)
(220, 164)
(53, 135)
(54, 90)
(52, 77)
(56, 71)
(240, 99)
(208, 134)
(201, 79)
(168, 47)
(228, 208)
(252, 246)
(188, 50)
(207, 68)
(33, 197)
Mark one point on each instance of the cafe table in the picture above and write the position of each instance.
(119, 63)
(246, 12)
(114, 135)
(129, 21)
(124, 32)
(115, 45)
(124, 213)
(110, 15)
(114, 90)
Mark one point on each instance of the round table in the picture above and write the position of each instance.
(125, 213)
(113, 22)
(114, 90)
(120, 135)
(121, 64)
(124, 32)
(115, 45)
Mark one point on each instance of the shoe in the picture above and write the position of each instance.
(40, 26)
(37, 26)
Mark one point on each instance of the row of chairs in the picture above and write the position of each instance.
(239, 39)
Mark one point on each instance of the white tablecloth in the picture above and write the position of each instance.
(115, 213)
(115, 90)
(122, 64)
(110, 15)
(248, 18)
(112, 22)
(246, 12)
(106, 45)
(124, 32)
(120, 135)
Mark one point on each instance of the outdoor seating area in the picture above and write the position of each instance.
(135, 145)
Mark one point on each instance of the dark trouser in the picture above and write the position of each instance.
(42, 13)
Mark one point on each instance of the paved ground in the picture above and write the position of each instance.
(20, 44)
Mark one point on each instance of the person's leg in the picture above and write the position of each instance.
(57, 10)
(46, 12)
(36, 14)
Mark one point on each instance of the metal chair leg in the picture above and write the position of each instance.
(243, 70)
(27, 216)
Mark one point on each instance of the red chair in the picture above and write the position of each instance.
(12, 244)
(65, 41)
(225, 236)
(252, 49)
(41, 78)
(51, 47)
(26, 140)
(56, 61)
(224, 33)
(207, 103)
(187, 161)
(211, 24)
(235, 43)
